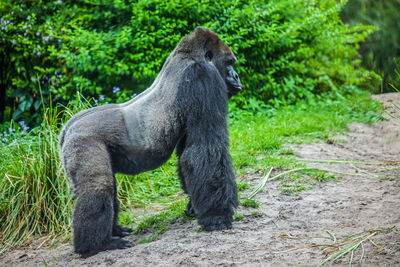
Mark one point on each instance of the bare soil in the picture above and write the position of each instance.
(288, 229)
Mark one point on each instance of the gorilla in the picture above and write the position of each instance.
(185, 110)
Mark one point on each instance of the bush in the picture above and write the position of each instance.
(287, 50)
(381, 51)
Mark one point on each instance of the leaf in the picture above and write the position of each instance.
(37, 104)
(17, 114)
(25, 103)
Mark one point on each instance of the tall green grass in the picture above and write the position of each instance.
(36, 199)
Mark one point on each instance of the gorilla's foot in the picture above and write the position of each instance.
(215, 223)
(117, 243)
(110, 244)
(121, 231)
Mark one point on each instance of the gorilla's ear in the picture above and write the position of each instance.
(209, 55)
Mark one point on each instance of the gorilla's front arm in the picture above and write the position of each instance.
(205, 165)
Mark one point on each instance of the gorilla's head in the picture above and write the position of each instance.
(204, 44)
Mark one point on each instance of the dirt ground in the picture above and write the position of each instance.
(288, 229)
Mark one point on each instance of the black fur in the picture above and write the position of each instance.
(185, 108)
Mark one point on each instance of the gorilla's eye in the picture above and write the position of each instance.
(209, 55)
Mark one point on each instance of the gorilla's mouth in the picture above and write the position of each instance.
(237, 88)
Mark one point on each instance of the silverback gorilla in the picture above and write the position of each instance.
(184, 109)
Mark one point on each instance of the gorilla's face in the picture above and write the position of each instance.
(224, 60)
(232, 81)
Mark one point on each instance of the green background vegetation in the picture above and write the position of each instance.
(286, 50)
(299, 64)
(381, 51)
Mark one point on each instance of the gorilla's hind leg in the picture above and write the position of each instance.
(118, 230)
(93, 219)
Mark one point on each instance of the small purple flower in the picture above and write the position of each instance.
(59, 1)
(132, 96)
(38, 54)
(37, 33)
(326, 59)
(24, 27)
(22, 123)
(59, 40)
(101, 97)
(254, 20)
(25, 33)
(258, 9)
(13, 42)
(52, 83)
(95, 100)
(33, 79)
(115, 89)
(20, 9)
(50, 28)
(360, 56)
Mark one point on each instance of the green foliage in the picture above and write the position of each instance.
(290, 50)
(158, 223)
(250, 203)
(241, 186)
(381, 51)
(110, 50)
(238, 216)
(26, 42)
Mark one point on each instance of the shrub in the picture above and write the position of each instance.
(381, 51)
(287, 49)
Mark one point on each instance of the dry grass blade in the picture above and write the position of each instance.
(260, 185)
(356, 240)
(266, 178)
(339, 161)
(333, 237)
(352, 243)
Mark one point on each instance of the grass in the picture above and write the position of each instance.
(36, 199)
(349, 246)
